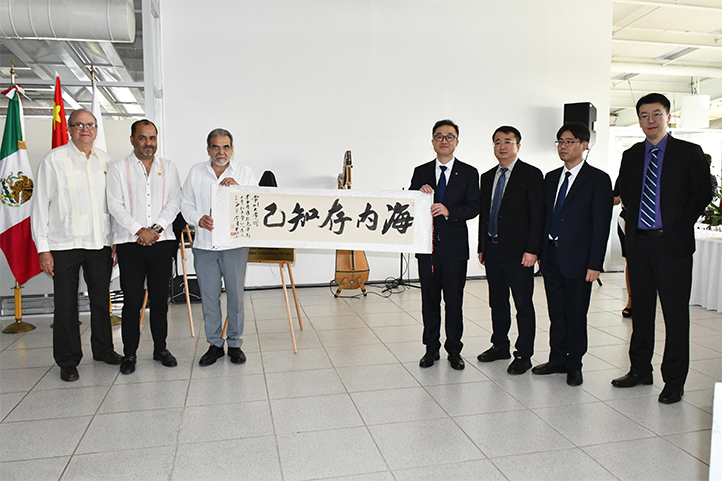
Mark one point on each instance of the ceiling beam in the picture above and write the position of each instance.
(667, 37)
(657, 69)
(685, 4)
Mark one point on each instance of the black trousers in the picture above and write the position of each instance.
(568, 301)
(97, 265)
(138, 263)
(502, 275)
(449, 277)
(654, 269)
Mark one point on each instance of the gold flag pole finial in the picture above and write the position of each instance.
(12, 71)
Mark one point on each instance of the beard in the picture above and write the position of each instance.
(222, 162)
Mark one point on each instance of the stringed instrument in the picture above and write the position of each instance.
(352, 267)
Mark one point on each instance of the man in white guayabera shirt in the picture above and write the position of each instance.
(144, 194)
(213, 263)
(71, 229)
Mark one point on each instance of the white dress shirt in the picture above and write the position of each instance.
(138, 199)
(69, 205)
(197, 200)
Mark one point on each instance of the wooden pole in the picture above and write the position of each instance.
(19, 325)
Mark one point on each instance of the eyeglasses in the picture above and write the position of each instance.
(568, 143)
(79, 126)
(657, 117)
(498, 143)
(447, 137)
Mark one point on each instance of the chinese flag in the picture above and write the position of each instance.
(60, 126)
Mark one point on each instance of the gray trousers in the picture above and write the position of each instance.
(210, 266)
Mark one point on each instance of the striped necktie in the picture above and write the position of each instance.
(649, 194)
(496, 203)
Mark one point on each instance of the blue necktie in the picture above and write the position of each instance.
(554, 227)
(496, 203)
(441, 188)
(649, 196)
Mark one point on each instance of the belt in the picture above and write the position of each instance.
(650, 233)
(494, 240)
(554, 242)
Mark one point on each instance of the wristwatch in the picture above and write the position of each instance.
(157, 228)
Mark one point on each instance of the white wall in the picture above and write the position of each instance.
(300, 82)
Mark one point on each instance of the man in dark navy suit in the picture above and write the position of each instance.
(455, 187)
(664, 183)
(579, 211)
(510, 231)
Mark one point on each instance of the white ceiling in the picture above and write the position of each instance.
(667, 46)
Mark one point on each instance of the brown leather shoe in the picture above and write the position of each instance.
(109, 357)
(69, 374)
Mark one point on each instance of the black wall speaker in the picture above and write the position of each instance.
(585, 113)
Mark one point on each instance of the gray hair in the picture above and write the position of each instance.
(219, 133)
(76, 111)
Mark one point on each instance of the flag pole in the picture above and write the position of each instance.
(19, 325)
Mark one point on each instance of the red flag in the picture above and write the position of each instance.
(60, 126)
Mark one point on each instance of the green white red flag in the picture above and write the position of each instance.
(16, 191)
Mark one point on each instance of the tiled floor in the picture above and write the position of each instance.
(353, 403)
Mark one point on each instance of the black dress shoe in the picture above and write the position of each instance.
(456, 361)
(109, 357)
(127, 366)
(165, 358)
(574, 377)
(672, 393)
(548, 368)
(630, 380)
(429, 358)
(237, 356)
(212, 355)
(494, 353)
(69, 374)
(519, 365)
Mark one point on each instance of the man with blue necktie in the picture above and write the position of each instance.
(664, 182)
(455, 187)
(579, 211)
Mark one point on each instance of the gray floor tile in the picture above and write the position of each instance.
(144, 396)
(473, 398)
(563, 465)
(655, 459)
(252, 458)
(465, 471)
(423, 443)
(47, 469)
(144, 429)
(137, 464)
(396, 405)
(337, 452)
(314, 413)
(81, 401)
(41, 439)
(217, 422)
(303, 383)
(514, 432)
(304, 360)
(661, 418)
(363, 355)
(372, 378)
(230, 389)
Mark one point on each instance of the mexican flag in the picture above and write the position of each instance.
(16, 190)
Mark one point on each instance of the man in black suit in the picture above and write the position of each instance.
(510, 231)
(578, 215)
(455, 187)
(660, 242)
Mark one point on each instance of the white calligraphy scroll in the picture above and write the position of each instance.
(372, 220)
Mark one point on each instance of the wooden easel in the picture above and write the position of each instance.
(281, 264)
(187, 232)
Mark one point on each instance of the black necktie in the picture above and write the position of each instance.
(441, 188)
(554, 227)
